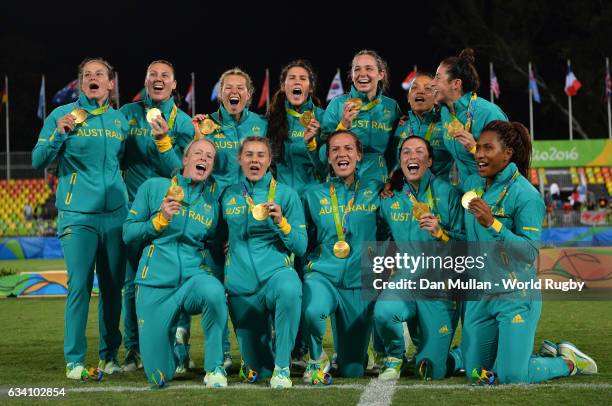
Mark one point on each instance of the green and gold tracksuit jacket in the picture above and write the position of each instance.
(259, 248)
(473, 112)
(358, 226)
(173, 250)
(145, 157)
(374, 125)
(300, 165)
(88, 157)
(228, 138)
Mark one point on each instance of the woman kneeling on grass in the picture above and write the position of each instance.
(504, 208)
(174, 218)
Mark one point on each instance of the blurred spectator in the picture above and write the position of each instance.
(574, 199)
(27, 212)
(591, 202)
(555, 192)
(51, 181)
(582, 193)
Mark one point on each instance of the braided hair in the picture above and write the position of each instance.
(515, 136)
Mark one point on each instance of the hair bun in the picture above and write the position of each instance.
(467, 55)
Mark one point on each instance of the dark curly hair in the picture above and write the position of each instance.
(515, 136)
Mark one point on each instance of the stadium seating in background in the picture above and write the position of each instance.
(15, 194)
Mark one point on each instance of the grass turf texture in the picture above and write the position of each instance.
(32, 356)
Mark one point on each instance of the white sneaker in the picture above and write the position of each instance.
(76, 371)
(281, 378)
(109, 367)
(216, 379)
(133, 361)
(583, 364)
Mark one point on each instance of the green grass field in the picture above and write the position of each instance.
(32, 356)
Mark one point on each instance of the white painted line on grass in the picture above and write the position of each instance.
(93, 387)
(377, 392)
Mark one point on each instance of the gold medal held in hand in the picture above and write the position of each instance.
(79, 115)
(420, 209)
(152, 114)
(342, 249)
(454, 127)
(175, 191)
(357, 101)
(260, 212)
(467, 198)
(206, 126)
(306, 118)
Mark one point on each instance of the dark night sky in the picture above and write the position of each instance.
(53, 39)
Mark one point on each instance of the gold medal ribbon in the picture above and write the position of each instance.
(504, 192)
(172, 119)
(271, 194)
(430, 129)
(430, 200)
(469, 114)
(341, 225)
(294, 113)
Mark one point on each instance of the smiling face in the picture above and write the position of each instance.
(491, 156)
(160, 82)
(199, 160)
(366, 75)
(297, 86)
(421, 96)
(235, 93)
(343, 155)
(445, 89)
(254, 160)
(414, 159)
(95, 81)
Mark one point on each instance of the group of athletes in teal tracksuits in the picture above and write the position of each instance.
(264, 291)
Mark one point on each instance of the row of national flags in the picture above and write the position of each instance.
(572, 84)
(70, 92)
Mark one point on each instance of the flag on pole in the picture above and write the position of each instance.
(189, 98)
(264, 98)
(215, 92)
(535, 92)
(494, 84)
(608, 84)
(572, 84)
(40, 112)
(335, 89)
(140, 95)
(67, 94)
(409, 78)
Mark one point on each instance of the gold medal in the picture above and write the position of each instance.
(79, 115)
(467, 198)
(454, 127)
(420, 209)
(342, 249)
(306, 118)
(176, 192)
(260, 212)
(152, 114)
(206, 126)
(357, 101)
